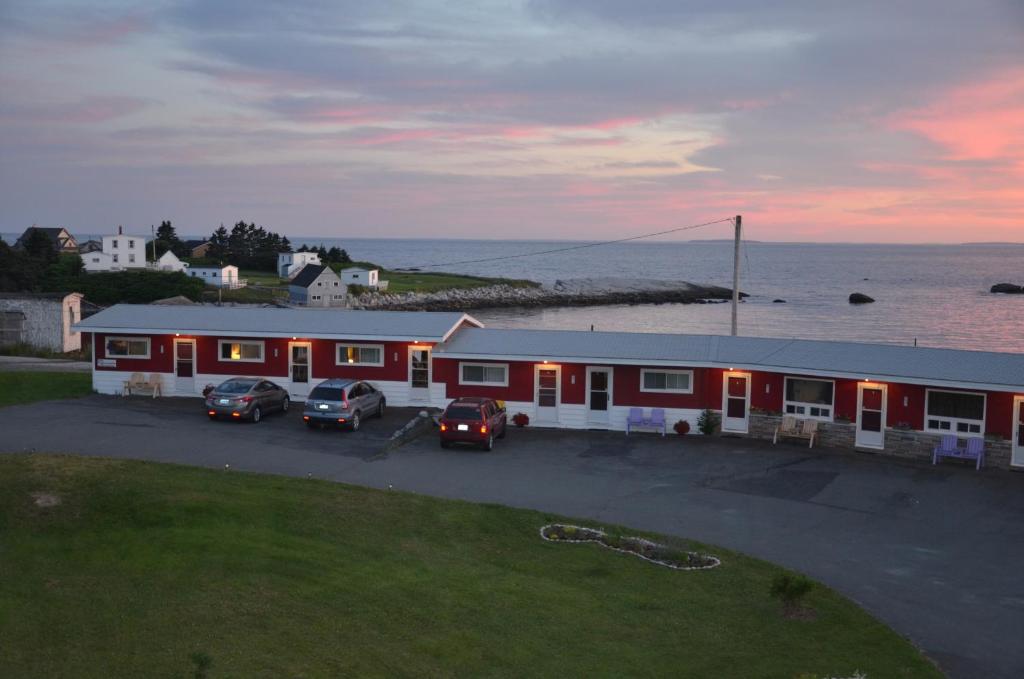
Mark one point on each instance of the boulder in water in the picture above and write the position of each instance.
(1008, 288)
(860, 298)
(778, 301)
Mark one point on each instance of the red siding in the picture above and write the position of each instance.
(520, 381)
(160, 354)
(999, 414)
(626, 390)
(208, 355)
(913, 412)
(395, 368)
(575, 393)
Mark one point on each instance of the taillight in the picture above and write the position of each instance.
(212, 412)
(236, 414)
(306, 418)
(483, 428)
(246, 399)
(444, 427)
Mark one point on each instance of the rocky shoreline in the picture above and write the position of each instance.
(587, 292)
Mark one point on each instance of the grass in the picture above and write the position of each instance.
(148, 570)
(18, 387)
(29, 350)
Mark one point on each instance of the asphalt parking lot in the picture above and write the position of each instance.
(934, 552)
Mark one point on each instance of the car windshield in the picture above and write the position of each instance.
(462, 413)
(235, 386)
(328, 394)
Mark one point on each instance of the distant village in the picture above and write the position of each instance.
(36, 317)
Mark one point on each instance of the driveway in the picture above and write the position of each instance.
(937, 553)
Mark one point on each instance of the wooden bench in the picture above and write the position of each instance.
(791, 427)
(138, 384)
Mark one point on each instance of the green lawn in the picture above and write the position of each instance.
(141, 566)
(26, 387)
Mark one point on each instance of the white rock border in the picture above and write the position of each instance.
(716, 561)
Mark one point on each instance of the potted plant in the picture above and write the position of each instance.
(520, 419)
(682, 427)
(708, 422)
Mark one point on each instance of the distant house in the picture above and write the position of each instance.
(61, 238)
(118, 253)
(197, 248)
(316, 285)
(218, 276)
(170, 262)
(42, 320)
(90, 246)
(368, 278)
(290, 263)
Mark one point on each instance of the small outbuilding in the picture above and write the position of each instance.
(170, 262)
(41, 320)
(218, 276)
(368, 278)
(289, 264)
(317, 285)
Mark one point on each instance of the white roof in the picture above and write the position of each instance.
(911, 365)
(422, 326)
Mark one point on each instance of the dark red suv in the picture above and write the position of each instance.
(473, 420)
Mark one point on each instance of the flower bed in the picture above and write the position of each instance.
(645, 549)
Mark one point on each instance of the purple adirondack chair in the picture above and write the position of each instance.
(635, 419)
(657, 420)
(975, 449)
(947, 448)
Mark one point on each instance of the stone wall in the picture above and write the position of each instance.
(907, 444)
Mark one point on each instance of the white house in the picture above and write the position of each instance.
(97, 261)
(291, 263)
(217, 276)
(126, 252)
(170, 262)
(368, 278)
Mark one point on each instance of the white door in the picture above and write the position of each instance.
(547, 383)
(299, 361)
(871, 400)
(419, 374)
(184, 366)
(599, 395)
(1017, 455)
(736, 402)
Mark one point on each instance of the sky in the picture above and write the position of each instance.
(817, 120)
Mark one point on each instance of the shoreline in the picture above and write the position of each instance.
(566, 294)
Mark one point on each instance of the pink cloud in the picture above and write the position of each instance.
(981, 120)
(91, 110)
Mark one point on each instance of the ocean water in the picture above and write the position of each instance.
(936, 295)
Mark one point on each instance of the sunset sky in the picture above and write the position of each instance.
(816, 120)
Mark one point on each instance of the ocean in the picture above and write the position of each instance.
(936, 295)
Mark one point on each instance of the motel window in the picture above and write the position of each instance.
(667, 381)
(127, 347)
(955, 412)
(361, 354)
(251, 352)
(486, 374)
(810, 398)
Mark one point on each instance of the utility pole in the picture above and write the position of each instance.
(152, 230)
(736, 274)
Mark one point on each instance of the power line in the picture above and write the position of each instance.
(577, 247)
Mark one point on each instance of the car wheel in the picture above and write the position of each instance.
(489, 443)
(285, 404)
(311, 425)
(446, 444)
(354, 423)
(256, 414)
(380, 409)
(213, 418)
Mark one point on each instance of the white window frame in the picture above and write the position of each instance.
(346, 345)
(954, 421)
(806, 414)
(667, 390)
(463, 381)
(260, 343)
(147, 340)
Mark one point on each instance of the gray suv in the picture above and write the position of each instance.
(342, 402)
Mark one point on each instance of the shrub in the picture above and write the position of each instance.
(356, 290)
(790, 588)
(708, 422)
(682, 427)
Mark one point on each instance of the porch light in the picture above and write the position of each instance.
(177, 334)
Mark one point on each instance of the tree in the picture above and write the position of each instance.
(218, 249)
(38, 246)
(286, 245)
(167, 239)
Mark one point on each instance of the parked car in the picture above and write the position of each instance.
(246, 398)
(473, 420)
(343, 402)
